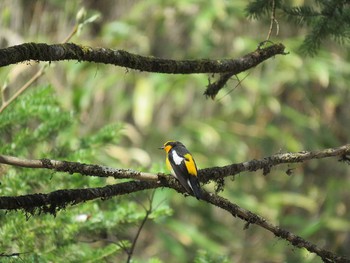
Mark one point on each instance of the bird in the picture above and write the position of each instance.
(182, 166)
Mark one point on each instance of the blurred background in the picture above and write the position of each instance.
(113, 116)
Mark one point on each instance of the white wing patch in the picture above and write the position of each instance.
(177, 159)
(189, 184)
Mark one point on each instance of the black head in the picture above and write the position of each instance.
(170, 144)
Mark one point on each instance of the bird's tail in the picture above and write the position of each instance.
(196, 188)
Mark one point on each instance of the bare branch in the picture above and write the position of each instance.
(213, 88)
(36, 76)
(54, 201)
(205, 175)
(273, 20)
(252, 218)
(265, 164)
(70, 51)
(50, 203)
(75, 167)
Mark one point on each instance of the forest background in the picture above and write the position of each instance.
(107, 115)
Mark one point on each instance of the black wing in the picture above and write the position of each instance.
(189, 182)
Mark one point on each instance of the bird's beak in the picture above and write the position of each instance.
(161, 148)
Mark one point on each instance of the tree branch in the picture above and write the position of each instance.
(205, 175)
(213, 88)
(252, 218)
(57, 200)
(70, 51)
(75, 167)
(265, 164)
(36, 76)
(54, 201)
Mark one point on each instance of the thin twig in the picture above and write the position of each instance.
(148, 212)
(36, 76)
(273, 21)
(238, 84)
(71, 34)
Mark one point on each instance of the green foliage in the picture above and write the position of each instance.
(92, 113)
(78, 233)
(324, 19)
(205, 257)
(32, 120)
(258, 9)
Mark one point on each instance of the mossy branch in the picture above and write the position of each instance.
(70, 51)
(54, 201)
(205, 175)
